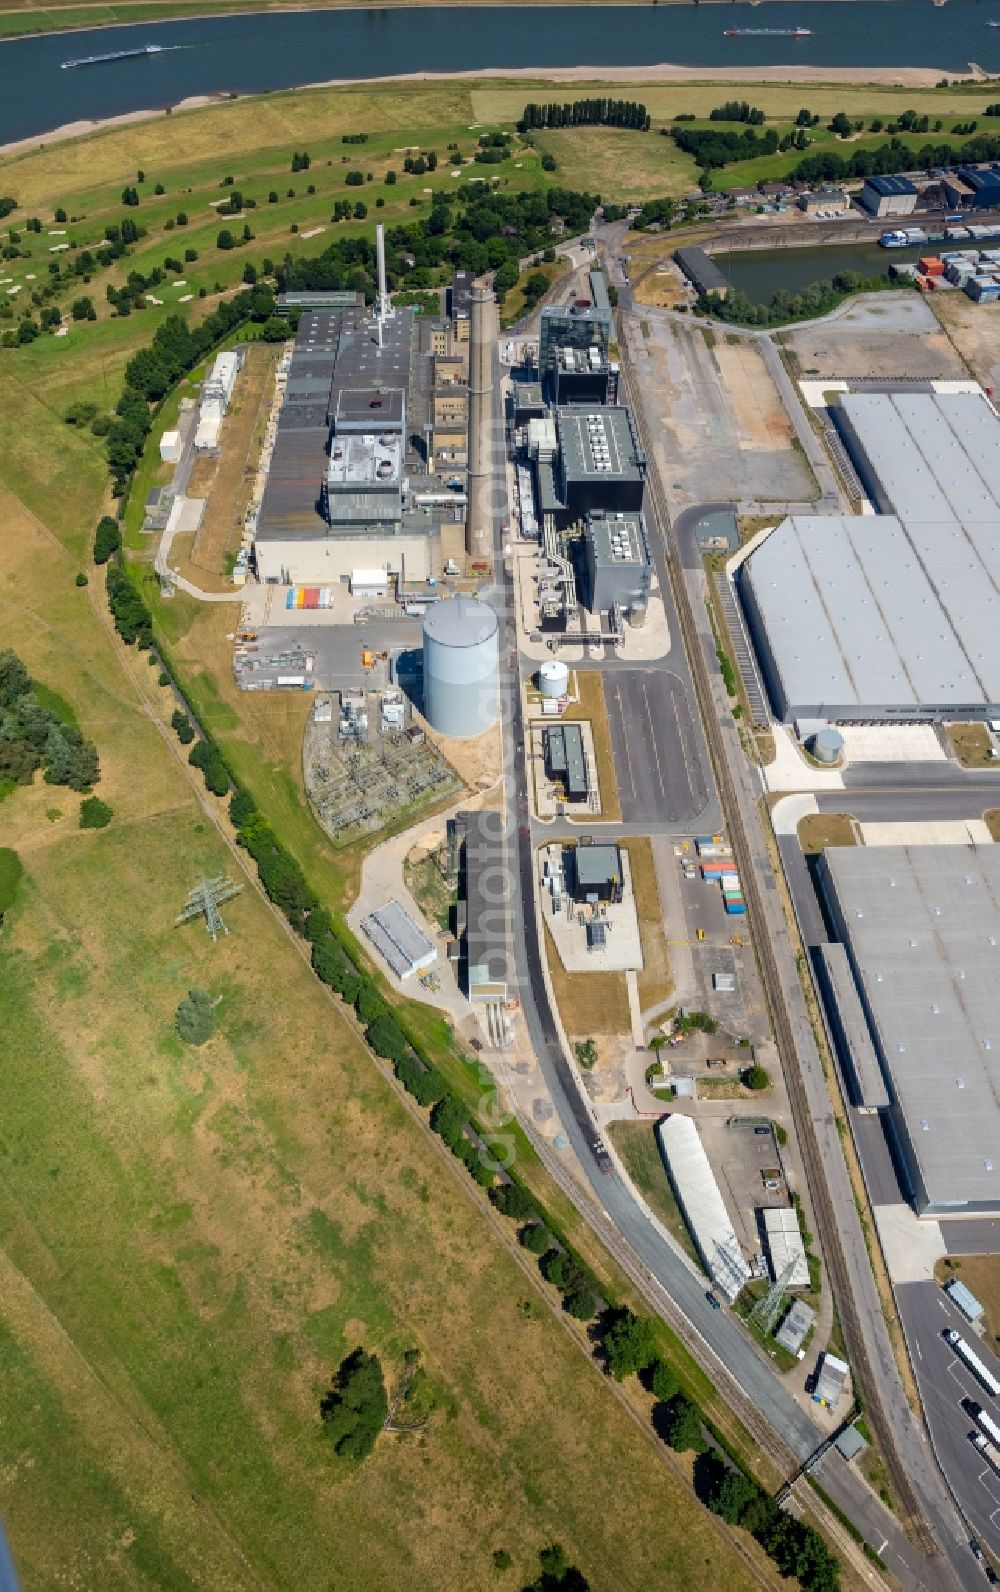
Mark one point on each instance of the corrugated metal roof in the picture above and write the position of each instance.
(890, 186)
(702, 1204)
(921, 926)
(400, 940)
(900, 609)
(784, 1245)
(964, 1298)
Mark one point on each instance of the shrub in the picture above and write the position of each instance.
(94, 814)
(195, 1017)
(682, 1426)
(513, 1200)
(663, 1384)
(163, 678)
(629, 1344)
(81, 579)
(756, 1078)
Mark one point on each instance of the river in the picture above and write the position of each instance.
(249, 54)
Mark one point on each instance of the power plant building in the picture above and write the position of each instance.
(347, 486)
(461, 657)
(617, 562)
(920, 927)
(581, 325)
(596, 464)
(896, 615)
(484, 906)
(566, 760)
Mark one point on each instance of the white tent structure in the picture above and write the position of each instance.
(702, 1205)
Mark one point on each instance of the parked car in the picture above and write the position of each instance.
(715, 1302)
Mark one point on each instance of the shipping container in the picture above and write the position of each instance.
(290, 599)
(300, 596)
(735, 909)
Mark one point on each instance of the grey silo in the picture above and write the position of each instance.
(461, 656)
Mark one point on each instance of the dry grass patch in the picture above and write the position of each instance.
(654, 981)
(820, 830)
(590, 1004)
(592, 706)
(633, 166)
(971, 744)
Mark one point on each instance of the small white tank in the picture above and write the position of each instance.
(553, 678)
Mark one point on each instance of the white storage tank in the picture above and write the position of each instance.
(827, 746)
(553, 678)
(461, 657)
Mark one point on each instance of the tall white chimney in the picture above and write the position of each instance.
(383, 297)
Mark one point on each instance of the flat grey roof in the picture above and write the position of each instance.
(598, 864)
(487, 898)
(618, 539)
(598, 443)
(921, 926)
(900, 610)
(791, 1334)
(564, 751)
(370, 409)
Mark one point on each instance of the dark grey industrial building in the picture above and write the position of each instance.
(566, 760)
(701, 271)
(617, 563)
(600, 464)
(892, 616)
(484, 912)
(596, 873)
(889, 196)
(582, 376)
(579, 325)
(920, 929)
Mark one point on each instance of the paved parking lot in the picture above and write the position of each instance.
(660, 778)
(739, 1157)
(337, 648)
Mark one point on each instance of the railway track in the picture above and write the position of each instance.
(825, 1215)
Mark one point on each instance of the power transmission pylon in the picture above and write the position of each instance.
(768, 1307)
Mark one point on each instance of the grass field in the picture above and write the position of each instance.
(636, 1144)
(190, 1240)
(592, 705)
(980, 1273)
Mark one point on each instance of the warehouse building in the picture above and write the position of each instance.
(701, 271)
(702, 1204)
(889, 196)
(616, 561)
(566, 760)
(921, 929)
(982, 184)
(892, 616)
(399, 940)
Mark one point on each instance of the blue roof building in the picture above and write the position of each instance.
(985, 185)
(889, 196)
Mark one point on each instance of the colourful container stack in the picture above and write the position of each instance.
(309, 597)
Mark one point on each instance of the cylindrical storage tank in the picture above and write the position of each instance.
(553, 678)
(637, 613)
(827, 746)
(461, 656)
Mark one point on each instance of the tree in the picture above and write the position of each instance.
(354, 1410)
(682, 1426)
(107, 539)
(182, 727)
(83, 309)
(756, 1078)
(195, 1017)
(841, 125)
(535, 1238)
(731, 1496)
(513, 1200)
(94, 814)
(130, 196)
(505, 279)
(630, 1344)
(69, 759)
(558, 1575)
(225, 240)
(663, 1383)
(206, 756)
(501, 1559)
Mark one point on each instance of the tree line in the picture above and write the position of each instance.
(586, 113)
(630, 1348)
(37, 731)
(738, 111)
(710, 149)
(893, 157)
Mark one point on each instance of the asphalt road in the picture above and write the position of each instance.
(944, 1381)
(657, 763)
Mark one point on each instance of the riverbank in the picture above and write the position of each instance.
(597, 78)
